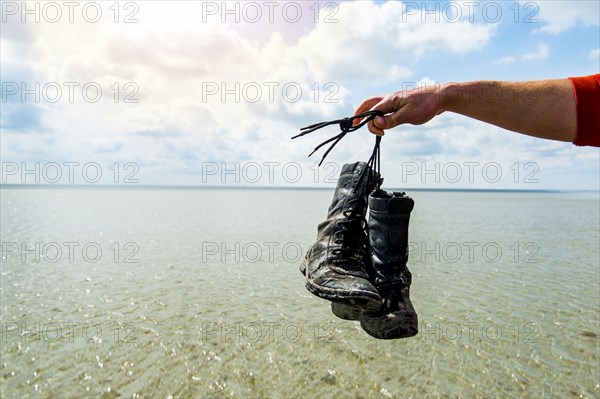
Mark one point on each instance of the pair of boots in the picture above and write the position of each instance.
(361, 266)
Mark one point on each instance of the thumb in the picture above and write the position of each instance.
(383, 122)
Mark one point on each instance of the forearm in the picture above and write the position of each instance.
(543, 108)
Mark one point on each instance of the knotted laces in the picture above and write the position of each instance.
(346, 126)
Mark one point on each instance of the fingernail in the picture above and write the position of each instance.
(379, 121)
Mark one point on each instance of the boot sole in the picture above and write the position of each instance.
(344, 311)
(393, 325)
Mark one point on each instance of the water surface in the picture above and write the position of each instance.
(196, 292)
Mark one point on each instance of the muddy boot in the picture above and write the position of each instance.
(336, 265)
(389, 215)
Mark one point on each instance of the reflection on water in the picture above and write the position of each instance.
(170, 292)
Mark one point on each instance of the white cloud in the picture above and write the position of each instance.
(173, 59)
(379, 47)
(506, 60)
(595, 54)
(426, 81)
(562, 15)
(540, 54)
(173, 56)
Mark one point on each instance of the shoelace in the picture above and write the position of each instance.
(345, 126)
(353, 233)
(374, 163)
(356, 221)
(354, 228)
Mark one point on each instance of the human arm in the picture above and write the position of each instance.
(544, 108)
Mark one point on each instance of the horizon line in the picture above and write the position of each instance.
(200, 187)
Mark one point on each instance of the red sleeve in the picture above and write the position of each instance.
(587, 100)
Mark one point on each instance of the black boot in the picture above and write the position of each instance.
(336, 265)
(389, 216)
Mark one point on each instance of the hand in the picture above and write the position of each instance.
(415, 106)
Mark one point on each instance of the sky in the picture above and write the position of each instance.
(210, 93)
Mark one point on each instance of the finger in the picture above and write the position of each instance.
(371, 104)
(365, 106)
(386, 104)
(374, 129)
(380, 123)
(368, 104)
(388, 121)
(393, 107)
(383, 122)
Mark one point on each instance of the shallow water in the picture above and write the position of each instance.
(196, 292)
